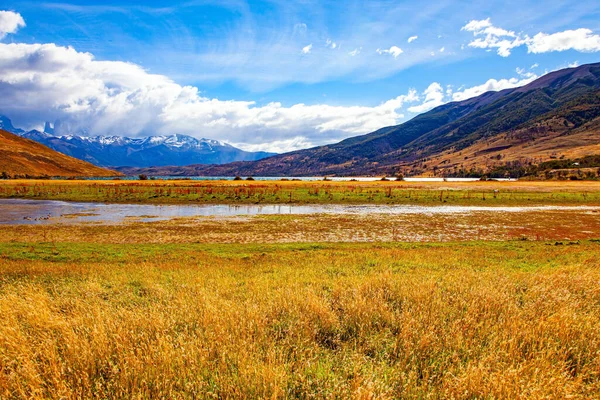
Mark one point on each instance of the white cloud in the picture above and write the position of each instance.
(494, 85)
(331, 44)
(434, 96)
(355, 52)
(443, 49)
(491, 37)
(412, 39)
(574, 64)
(534, 66)
(394, 51)
(582, 40)
(307, 49)
(10, 22)
(42, 82)
(525, 74)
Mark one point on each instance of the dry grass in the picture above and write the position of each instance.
(203, 308)
(280, 192)
(20, 156)
(504, 320)
(540, 225)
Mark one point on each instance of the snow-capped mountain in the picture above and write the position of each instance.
(7, 125)
(151, 151)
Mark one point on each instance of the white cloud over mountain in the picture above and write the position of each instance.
(494, 85)
(47, 82)
(434, 97)
(489, 36)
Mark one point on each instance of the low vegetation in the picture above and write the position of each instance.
(473, 320)
(295, 192)
(471, 305)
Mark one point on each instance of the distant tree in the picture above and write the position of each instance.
(4, 175)
(249, 178)
(237, 178)
(143, 177)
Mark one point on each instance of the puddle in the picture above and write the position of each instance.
(20, 211)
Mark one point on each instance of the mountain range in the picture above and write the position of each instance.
(554, 117)
(111, 151)
(557, 115)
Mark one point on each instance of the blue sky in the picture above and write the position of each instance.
(273, 75)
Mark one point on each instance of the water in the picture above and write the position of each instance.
(20, 211)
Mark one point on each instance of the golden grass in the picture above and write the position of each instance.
(306, 192)
(477, 320)
(204, 308)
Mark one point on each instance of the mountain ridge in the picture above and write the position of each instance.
(21, 157)
(458, 127)
(160, 150)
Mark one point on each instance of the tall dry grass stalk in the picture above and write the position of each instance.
(506, 320)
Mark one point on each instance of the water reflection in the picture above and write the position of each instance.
(20, 211)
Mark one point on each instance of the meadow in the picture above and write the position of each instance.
(306, 192)
(463, 306)
(458, 320)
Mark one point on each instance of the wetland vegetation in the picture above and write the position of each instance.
(459, 305)
(304, 192)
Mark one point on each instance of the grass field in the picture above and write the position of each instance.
(470, 320)
(276, 192)
(464, 306)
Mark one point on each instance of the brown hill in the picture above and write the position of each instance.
(24, 157)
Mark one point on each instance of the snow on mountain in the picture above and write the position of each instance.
(114, 151)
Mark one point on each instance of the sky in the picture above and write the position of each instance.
(275, 75)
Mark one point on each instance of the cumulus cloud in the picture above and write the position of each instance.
(10, 22)
(307, 49)
(434, 96)
(492, 85)
(582, 40)
(488, 36)
(412, 39)
(331, 44)
(394, 51)
(42, 82)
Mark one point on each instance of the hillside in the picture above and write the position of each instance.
(24, 157)
(554, 116)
